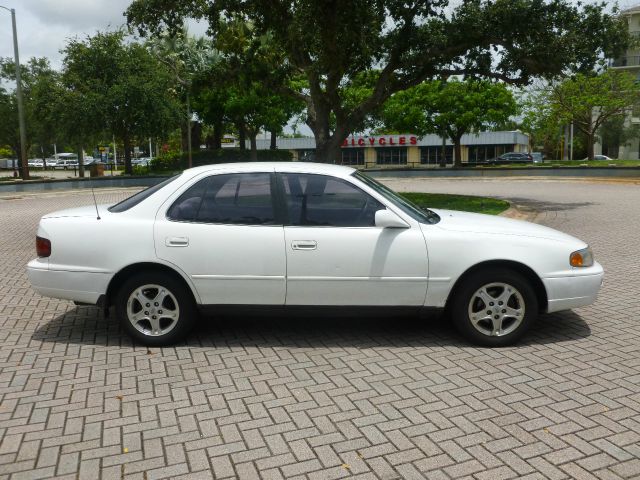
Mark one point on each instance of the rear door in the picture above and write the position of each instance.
(222, 231)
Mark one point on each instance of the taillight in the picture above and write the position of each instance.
(43, 247)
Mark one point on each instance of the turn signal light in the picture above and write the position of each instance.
(43, 247)
(581, 258)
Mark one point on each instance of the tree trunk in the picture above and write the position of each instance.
(457, 161)
(443, 152)
(590, 142)
(242, 136)
(254, 146)
(80, 162)
(217, 135)
(274, 141)
(327, 145)
(127, 154)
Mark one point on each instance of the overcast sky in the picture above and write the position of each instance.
(45, 25)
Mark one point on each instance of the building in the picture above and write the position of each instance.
(629, 62)
(407, 149)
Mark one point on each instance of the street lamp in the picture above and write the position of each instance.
(24, 166)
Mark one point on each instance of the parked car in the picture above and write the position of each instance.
(513, 157)
(537, 157)
(66, 164)
(600, 157)
(296, 235)
(35, 162)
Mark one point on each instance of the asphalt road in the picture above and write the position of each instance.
(322, 399)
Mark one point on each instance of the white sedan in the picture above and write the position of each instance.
(295, 235)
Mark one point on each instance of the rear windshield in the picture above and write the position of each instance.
(135, 199)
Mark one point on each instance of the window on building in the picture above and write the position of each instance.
(352, 156)
(433, 154)
(391, 156)
(240, 199)
(318, 200)
(485, 153)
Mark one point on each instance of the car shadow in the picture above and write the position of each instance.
(545, 206)
(88, 326)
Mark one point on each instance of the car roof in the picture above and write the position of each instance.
(292, 167)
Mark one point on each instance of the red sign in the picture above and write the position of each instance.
(381, 141)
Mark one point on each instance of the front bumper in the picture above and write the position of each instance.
(79, 286)
(576, 288)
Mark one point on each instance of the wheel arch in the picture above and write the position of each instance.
(126, 272)
(521, 268)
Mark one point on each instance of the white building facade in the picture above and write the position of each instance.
(408, 150)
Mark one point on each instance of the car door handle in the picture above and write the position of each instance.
(304, 245)
(176, 242)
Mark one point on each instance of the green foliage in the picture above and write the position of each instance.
(465, 203)
(6, 152)
(331, 44)
(41, 92)
(117, 86)
(589, 101)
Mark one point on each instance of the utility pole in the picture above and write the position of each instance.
(24, 166)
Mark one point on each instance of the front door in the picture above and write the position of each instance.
(222, 231)
(337, 256)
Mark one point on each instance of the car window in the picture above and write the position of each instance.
(134, 200)
(240, 199)
(320, 200)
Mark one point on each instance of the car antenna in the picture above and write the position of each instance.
(95, 203)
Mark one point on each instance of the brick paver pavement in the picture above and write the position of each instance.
(323, 399)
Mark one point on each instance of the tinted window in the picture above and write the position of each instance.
(241, 199)
(134, 200)
(187, 206)
(318, 200)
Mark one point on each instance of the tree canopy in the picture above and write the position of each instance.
(330, 43)
(588, 101)
(449, 108)
(116, 86)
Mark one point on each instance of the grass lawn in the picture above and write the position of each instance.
(567, 163)
(490, 206)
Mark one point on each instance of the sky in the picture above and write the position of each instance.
(45, 25)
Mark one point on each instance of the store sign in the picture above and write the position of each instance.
(381, 141)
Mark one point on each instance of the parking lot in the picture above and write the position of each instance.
(327, 398)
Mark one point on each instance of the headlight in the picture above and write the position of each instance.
(581, 258)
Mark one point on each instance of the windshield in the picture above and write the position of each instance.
(415, 212)
(135, 199)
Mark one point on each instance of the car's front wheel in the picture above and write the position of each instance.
(155, 309)
(494, 308)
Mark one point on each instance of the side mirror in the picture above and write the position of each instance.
(387, 219)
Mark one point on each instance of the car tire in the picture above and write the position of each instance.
(494, 308)
(156, 309)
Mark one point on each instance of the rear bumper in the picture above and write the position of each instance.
(79, 286)
(576, 289)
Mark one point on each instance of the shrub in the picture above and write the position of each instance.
(176, 161)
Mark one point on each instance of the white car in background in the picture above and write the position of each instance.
(291, 235)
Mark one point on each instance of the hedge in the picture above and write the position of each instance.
(172, 162)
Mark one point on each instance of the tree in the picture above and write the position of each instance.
(450, 109)
(41, 89)
(590, 100)
(119, 87)
(186, 57)
(331, 42)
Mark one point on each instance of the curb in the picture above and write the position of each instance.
(520, 212)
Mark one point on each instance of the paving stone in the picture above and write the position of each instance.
(293, 398)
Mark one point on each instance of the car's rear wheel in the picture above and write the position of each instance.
(155, 309)
(494, 308)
